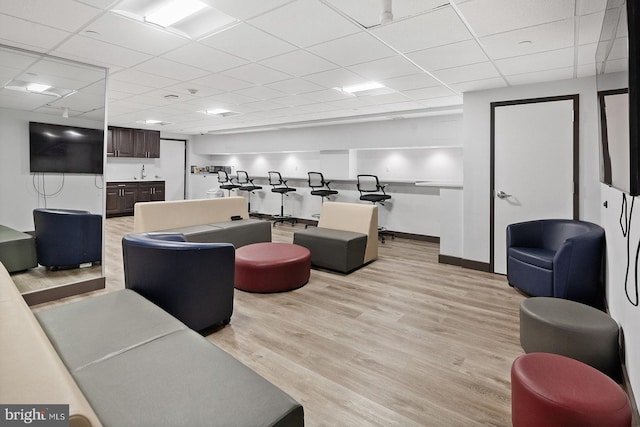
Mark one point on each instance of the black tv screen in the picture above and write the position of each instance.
(619, 107)
(65, 149)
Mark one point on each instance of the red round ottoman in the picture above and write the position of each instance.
(272, 267)
(555, 391)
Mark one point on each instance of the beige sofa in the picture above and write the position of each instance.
(30, 368)
(224, 220)
(158, 216)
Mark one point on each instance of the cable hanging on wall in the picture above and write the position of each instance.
(626, 215)
(43, 193)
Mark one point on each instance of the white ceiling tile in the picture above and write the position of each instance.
(125, 32)
(479, 85)
(507, 15)
(53, 13)
(305, 23)
(326, 95)
(319, 107)
(200, 90)
(247, 42)
(97, 52)
(556, 35)
(448, 56)
(335, 78)
(170, 69)
(585, 7)
(247, 9)
(386, 68)
(367, 13)
(429, 92)
(233, 98)
(587, 54)
(293, 100)
(124, 87)
(17, 60)
(549, 60)
(299, 63)
(200, 56)
(143, 79)
(352, 102)
(437, 28)
(100, 4)
(444, 101)
(256, 73)
(262, 105)
(413, 81)
(260, 92)
(586, 70)
(484, 70)
(589, 28)
(18, 32)
(221, 82)
(389, 98)
(353, 49)
(295, 86)
(541, 76)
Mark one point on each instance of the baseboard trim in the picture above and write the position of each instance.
(63, 291)
(466, 263)
(411, 236)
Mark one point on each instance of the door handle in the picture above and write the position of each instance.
(502, 195)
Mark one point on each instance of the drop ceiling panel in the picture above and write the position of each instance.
(335, 78)
(386, 68)
(326, 95)
(437, 28)
(170, 69)
(256, 73)
(448, 56)
(186, 87)
(352, 49)
(224, 83)
(589, 28)
(542, 76)
(299, 63)
(508, 15)
(295, 86)
(414, 81)
(18, 32)
(247, 9)
(293, 100)
(97, 52)
(479, 85)
(550, 60)
(367, 13)
(143, 79)
(585, 7)
(467, 73)
(556, 35)
(54, 13)
(233, 98)
(125, 32)
(429, 92)
(16, 60)
(260, 92)
(305, 23)
(248, 42)
(204, 57)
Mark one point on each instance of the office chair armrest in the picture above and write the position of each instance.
(381, 187)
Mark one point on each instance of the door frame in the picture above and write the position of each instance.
(576, 159)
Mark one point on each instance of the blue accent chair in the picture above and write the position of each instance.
(557, 258)
(194, 282)
(67, 237)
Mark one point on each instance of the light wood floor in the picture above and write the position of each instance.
(404, 341)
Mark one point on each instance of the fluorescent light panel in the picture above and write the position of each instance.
(174, 11)
(37, 87)
(361, 87)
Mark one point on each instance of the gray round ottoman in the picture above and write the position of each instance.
(572, 329)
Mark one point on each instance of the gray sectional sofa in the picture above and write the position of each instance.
(119, 360)
(17, 249)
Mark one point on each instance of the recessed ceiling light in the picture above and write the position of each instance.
(37, 87)
(174, 11)
(150, 122)
(360, 87)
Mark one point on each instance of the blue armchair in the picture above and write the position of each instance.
(192, 281)
(557, 258)
(67, 238)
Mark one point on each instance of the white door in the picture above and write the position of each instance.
(173, 168)
(533, 167)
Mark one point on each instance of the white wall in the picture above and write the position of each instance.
(476, 137)
(18, 194)
(400, 152)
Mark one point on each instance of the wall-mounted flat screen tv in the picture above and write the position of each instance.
(65, 149)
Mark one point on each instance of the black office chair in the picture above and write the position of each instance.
(226, 183)
(246, 184)
(280, 186)
(320, 187)
(372, 191)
